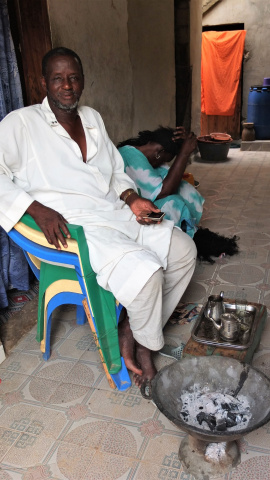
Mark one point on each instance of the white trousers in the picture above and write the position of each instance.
(155, 303)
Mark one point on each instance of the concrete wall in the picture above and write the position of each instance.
(195, 61)
(127, 50)
(151, 47)
(256, 18)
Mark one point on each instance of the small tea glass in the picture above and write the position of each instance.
(245, 328)
(245, 316)
(240, 307)
(246, 319)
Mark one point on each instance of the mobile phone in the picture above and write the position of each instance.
(155, 216)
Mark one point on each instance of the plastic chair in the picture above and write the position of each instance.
(66, 276)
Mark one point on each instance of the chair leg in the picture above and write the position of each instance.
(61, 298)
(120, 380)
(81, 318)
(47, 340)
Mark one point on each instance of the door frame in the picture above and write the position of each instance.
(30, 27)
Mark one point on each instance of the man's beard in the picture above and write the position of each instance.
(61, 106)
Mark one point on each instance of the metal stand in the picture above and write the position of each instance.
(196, 462)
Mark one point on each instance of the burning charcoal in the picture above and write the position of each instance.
(184, 415)
(231, 419)
(221, 425)
(233, 407)
(209, 419)
(215, 411)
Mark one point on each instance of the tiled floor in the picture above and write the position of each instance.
(60, 420)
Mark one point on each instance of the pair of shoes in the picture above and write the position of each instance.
(172, 352)
(146, 390)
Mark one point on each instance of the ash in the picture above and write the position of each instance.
(215, 411)
(215, 452)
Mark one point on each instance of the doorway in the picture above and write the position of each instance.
(222, 123)
(30, 28)
(183, 78)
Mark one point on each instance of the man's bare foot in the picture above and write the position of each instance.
(144, 358)
(127, 346)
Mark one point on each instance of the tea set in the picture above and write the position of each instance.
(229, 325)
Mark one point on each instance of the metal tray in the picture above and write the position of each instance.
(205, 332)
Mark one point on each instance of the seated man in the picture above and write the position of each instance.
(58, 164)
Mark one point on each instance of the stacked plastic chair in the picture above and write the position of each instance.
(66, 277)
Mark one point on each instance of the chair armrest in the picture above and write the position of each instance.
(77, 234)
(30, 222)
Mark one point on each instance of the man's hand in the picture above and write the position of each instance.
(141, 207)
(52, 223)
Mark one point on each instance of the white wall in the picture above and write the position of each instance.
(256, 18)
(152, 57)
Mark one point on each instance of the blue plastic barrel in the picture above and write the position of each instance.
(258, 111)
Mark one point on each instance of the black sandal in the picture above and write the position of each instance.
(146, 390)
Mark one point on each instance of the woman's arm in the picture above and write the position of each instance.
(172, 180)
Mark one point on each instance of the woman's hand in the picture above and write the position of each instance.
(190, 139)
(172, 181)
(141, 207)
(180, 133)
(189, 144)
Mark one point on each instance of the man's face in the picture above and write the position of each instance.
(63, 82)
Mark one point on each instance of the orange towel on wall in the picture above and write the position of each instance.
(222, 54)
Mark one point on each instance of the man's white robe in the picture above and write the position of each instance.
(39, 161)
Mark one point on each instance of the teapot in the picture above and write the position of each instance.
(229, 326)
(215, 306)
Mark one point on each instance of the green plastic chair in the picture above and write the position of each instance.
(100, 305)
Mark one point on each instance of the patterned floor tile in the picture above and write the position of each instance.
(29, 343)
(171, 469)
(81, 331)
(37, 430)
(71, 349)
(55, 370)
(21, 362)
(128, 405)
(10, 475)
(257, 467)
(62, 328)
(241, 274)
(91, 353)
(60, 420)
(67, 394)
(10, 382)
(39, 389)
(106, 466)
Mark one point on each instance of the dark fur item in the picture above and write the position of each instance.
(210, 244)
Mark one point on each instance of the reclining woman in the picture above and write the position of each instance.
(145, 158)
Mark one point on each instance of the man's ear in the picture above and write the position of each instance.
(43, 83)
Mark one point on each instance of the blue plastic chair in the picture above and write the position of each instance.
(65, 277)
